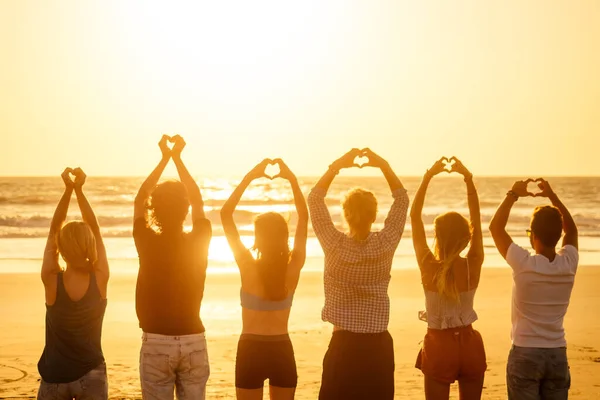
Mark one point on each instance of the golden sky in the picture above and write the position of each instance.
(511, 87)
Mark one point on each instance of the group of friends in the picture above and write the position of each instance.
(359, 362)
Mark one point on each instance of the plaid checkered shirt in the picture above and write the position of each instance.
(357, 274)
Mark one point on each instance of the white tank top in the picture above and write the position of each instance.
(443, 313)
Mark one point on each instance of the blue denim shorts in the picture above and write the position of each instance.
(91, 386)
(532, 372)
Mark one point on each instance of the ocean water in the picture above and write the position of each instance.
(27, 205)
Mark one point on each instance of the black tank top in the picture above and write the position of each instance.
(73, 335)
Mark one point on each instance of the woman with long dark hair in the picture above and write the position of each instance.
(269, 281)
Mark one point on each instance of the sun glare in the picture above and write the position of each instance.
(232, 49)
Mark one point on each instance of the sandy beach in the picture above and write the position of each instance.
(22, 333)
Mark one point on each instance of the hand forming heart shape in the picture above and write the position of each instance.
(448, 163)
(539, 182)
(272, 169)
(73, 177)
(521, 188)
(68, 175)
(170, 141)
(361, 161)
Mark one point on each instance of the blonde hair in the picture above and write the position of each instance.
(360, 209)
(77, 245)
(271, 236)
(452, 235)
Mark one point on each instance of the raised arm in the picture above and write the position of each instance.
(299, 252)
(571, 234)
(231, 233)
(378, 162)
(87, 214)
(322, 224)
(395, 221)
(139, 208)
(345, 161)
(50, 265)
(476, 253)
(190, 184)
(498, 223)
(419, 238)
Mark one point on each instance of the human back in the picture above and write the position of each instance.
(261, 315)
(170, 283)
(452, 349)
(171, 279)
(541, 295)
(268, 283)
(359, 362)
(538, 365)
(75, 300)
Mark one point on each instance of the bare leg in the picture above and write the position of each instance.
(279, 393)
(471, 389)
(249, 394)
(436, 390)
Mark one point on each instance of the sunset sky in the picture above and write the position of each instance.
(511, 87)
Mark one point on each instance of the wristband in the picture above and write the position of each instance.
(333, 169)
(513, 195)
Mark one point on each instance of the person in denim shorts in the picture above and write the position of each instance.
(537, 363)
(170, 283)
(72, 364)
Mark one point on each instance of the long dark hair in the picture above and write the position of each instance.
(271, 237)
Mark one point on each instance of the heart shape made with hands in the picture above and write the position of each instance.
(361, 161)
(272, 170)
(170, 142)
(71, 174)
(537, 183)
(448, 164)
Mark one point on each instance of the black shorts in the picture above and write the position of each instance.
(265, 357)
(358, 366)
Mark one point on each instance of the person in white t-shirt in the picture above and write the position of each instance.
(537, 365)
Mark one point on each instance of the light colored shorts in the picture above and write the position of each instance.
(171, 364)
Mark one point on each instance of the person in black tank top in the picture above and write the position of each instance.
(72, 363)
(170, 283)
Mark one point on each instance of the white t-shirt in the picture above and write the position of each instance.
(541, 294)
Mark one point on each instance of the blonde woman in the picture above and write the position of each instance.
(452, 349)
(72, 364)
(359, 363)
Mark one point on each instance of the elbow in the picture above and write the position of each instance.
(303, 214)
(226, 213)
(415, 215)
(493, 228)
(572, 230)
(140, 198)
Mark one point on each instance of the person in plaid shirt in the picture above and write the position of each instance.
(359, 363)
